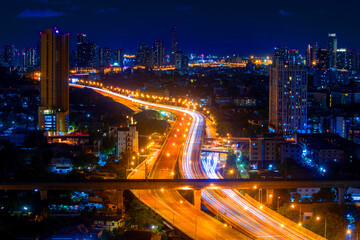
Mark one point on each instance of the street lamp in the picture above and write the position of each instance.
(318, 219)
(293, 206)
(278, 205)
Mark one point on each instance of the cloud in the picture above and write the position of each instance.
(40, 13)
(108, 10)
(285, 13)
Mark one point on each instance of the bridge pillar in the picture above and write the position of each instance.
(43, 194)
(341, 195)
(269, 196)
(197, 199)
(120, 200)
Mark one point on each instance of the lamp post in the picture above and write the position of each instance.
(278, 205)
(317, 219)
(293, 206)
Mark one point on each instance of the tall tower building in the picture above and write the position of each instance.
(311, 54)
(173, 45)
(143, 55)
(342, 58)
(332, 47)
(54, 98)
(158, 55)
(288, 98)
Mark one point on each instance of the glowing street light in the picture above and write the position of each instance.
(318, 219)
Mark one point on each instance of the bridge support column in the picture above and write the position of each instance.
(197, 199)
(269, 196)
(43, 194)
(341, 195)
(120, 200)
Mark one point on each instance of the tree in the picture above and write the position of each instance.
(297, 197)
(287, 166)
(85, 160)
(231, 170)
(290, 213)
(141, 216)
(324, 195)
(335, 221)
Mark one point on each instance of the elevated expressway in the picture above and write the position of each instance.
(161, 164)
(249, 219)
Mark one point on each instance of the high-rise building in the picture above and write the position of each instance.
(29, 57)
(174, 44)
(341, 58)
(158, 54)
(332, 47)
(54, 98)
(86, 52)
(120, 57)
(284, 55)
(322, 59)
(181, 61)
(280, 55)
(311, 54)
(353, 60)
(9, 55)
(143, 55)
(288, 98)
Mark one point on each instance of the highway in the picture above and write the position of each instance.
(169, 203)
(184, 143)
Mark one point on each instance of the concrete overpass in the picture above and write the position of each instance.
(177, 184)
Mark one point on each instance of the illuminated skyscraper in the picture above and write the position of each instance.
(322, 59)
(341, 58)
(288, 98)
(353, 60)
(158, 54)
(311, 54)
(332, 47)
(143, 55)
(173, 45)
(54, 100)
(86, 52)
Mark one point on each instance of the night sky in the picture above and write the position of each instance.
(210, 27)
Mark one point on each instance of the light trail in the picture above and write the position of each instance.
(169, 203)
(230, 204)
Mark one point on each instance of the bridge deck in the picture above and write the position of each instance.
(175, 184)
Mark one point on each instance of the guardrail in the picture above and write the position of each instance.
(283, 219)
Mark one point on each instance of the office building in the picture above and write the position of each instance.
(284, 55)
(9, 55)
(86, 52)
(54, 98)
(120, 57)
(353, 60)
(143, 55)
(341, 58)
(174, 44)
(332, 47)
(158, 54)
(322, 59)
(287, 100)
(280, 55)
(181, 61)
(311, 54)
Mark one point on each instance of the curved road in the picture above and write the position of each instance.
(232, 206)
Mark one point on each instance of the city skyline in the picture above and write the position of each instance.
(202, 28)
